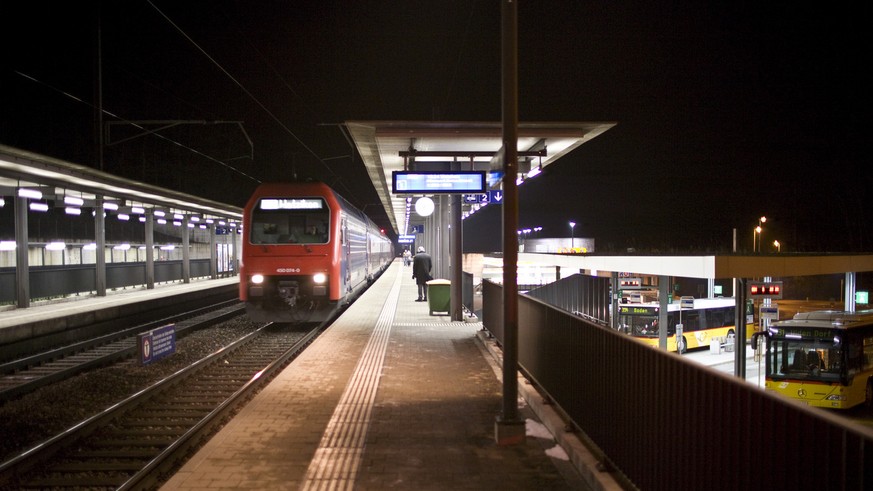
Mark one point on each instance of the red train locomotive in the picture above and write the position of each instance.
(306, 251)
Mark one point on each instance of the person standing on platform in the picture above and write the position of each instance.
(421, 267)
(407, 257)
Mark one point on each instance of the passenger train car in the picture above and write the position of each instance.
(306, 252)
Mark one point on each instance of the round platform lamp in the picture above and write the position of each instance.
(424, 206)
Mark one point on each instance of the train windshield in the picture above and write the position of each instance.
(290, 221)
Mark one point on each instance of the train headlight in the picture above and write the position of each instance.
(319, 278)
(257, 279)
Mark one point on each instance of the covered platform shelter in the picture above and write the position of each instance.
(387, 147)
(37, 182)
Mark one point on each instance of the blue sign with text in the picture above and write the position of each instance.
(156, 344)
(405, 182)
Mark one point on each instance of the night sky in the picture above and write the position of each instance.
(724, 113)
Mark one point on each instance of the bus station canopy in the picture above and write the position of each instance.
(707, 265)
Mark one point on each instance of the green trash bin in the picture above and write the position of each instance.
(439, 296)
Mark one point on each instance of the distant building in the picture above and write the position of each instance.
(560, 245)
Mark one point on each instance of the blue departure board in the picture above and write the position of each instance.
(410, 182)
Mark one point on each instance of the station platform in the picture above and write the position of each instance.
(390, 397)
(49, 317)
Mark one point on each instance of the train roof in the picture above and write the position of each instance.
(310, 188)
(293, 189)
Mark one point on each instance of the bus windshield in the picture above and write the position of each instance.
(643, 326)
(822, 358)
(639, 320)
(805, 359)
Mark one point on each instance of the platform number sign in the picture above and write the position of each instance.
(765, 289)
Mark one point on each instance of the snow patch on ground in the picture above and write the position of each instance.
(537, 429)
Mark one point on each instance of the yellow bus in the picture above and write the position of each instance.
(823, 359)
(709, 319)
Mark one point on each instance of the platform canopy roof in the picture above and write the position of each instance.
(56, 179)
(388, 146)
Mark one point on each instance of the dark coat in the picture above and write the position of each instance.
(421, 266)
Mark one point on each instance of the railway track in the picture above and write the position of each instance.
(137, 443)
(27, 374)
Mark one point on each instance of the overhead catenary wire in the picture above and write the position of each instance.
(135, 125)
(242, 87)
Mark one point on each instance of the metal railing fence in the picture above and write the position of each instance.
(47, 282)
(579, 294)
(666, 422)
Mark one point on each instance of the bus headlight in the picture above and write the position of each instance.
(319, 278)
(257, 279)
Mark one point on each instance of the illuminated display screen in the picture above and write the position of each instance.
(292, 204)
(630, 283)
(438, 182)
(637, 310)
(803, 333)
(771, 289)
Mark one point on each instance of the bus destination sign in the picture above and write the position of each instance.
(637, 310)
(801, 333)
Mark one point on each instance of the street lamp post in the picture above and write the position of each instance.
(572, 236)
(777, 245)
(760, 231)
(756, 243)
(522, 235)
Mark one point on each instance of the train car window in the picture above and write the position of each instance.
(290, 221)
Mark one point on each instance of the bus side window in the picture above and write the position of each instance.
(692, 323)
(715, 318)
(867, 354)
(730, 314)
